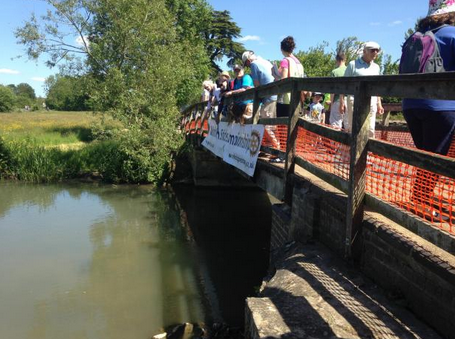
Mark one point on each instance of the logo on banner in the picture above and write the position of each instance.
(255, 143)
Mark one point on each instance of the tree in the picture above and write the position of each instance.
(317, 62)
(24, 89)
(197, 22)
(134, 63)
(389, 66)
(351, 47)
(220, 39)
(7, 99)
(66, 93)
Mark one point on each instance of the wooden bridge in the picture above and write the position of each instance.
(353, 193)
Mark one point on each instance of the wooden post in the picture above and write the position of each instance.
(256, 104)
(357, 166)
(289, 166)
(203, 118)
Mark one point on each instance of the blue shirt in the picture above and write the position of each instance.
(261, 71)
(445, 38)
(245, 82)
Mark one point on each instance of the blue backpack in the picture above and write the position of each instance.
(420, 54)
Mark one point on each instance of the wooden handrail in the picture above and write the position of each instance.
(433, 86)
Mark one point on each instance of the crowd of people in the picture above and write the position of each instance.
(334, 109)
(337, 109)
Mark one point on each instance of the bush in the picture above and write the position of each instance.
(7, 99)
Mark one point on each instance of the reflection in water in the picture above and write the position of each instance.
(232, 232)
(89, 262)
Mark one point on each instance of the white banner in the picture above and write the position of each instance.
(237, 144)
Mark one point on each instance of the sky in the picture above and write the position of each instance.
(264, 24)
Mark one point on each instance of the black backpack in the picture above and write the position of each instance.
(420, 54)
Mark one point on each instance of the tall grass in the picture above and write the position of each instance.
(28, 161)
(47, 147)
(53, 146)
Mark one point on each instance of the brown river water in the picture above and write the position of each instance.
(90, 261)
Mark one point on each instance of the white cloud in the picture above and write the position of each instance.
(395, 23)
(8, 71)
(38, 79)
(80, 41)
(375, 24)
(250, 38)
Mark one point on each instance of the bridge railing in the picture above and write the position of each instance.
(368, 170)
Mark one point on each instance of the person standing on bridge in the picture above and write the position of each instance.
(336, 116)
(362, 66)
(261, 73)
(432, 122)
(290, 66)
(242, 110)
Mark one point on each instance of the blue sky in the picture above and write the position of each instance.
(264, 23)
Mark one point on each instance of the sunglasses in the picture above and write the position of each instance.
(372, 50)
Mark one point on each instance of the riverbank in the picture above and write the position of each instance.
(55, 146)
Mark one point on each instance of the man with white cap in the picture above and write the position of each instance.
(432, 122)
(363, 66)
(261, 72)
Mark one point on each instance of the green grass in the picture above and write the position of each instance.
(48, 128)
(53, 146)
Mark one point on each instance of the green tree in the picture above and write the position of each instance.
(7, 99)
(389, 66)
(24, 89)
(197, 22)
(351, 47)
(134, 61)
(220, 39)
(66, 93)
(317, 61)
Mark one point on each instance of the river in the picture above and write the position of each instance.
(105, 261)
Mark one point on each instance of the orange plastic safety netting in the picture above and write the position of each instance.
(275, 136)
(205, 128)
(402, 138)
(423, 193)
(420, 192)
(329, 155)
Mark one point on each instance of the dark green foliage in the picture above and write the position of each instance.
(110, 160)
(66, 93)
(317, 62)
(219, 39)
(25, 90)
(143, 60)
(7, 99)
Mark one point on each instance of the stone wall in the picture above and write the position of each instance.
(420, 276)
(318, 212)
(281, 220)
(411, 269)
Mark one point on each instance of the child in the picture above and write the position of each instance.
(316, 111)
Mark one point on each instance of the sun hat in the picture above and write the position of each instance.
(246, 55)
(237, 66)
(225, 74)
(437, 7)
(372, 45)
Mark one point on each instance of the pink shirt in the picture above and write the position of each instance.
(285, 62)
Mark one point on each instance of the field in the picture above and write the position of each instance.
(53, 146)
(57, 129)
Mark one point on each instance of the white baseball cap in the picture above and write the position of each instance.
(371, 45)
(246, 55)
